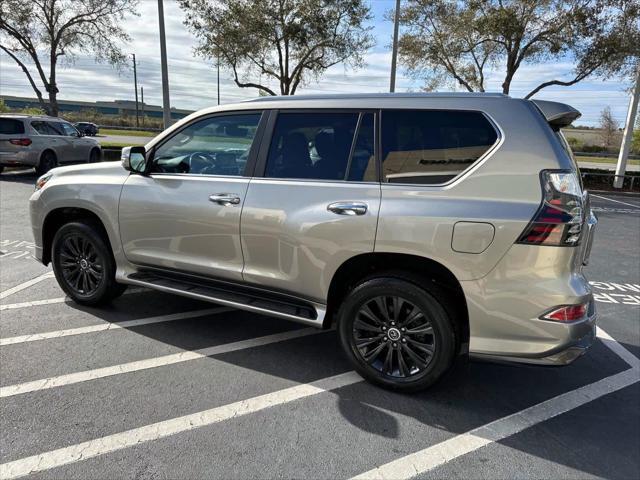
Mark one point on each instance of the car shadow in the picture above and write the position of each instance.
(28, 177)
(472, 394)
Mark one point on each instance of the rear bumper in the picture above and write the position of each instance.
(506, 306)
(26, 157)
(582, 335)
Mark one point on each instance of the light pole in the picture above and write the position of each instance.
(166, 105)
(394, 53)
(218, 79)
(621, 168)
(135, 83)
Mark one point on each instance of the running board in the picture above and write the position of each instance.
(237, 296)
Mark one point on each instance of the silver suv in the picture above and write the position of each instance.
(43, 143)
(424, 226)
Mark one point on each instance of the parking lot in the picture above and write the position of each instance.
(157, 386)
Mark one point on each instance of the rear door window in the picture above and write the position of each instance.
(432, 147)
(11, 126)
(321, 146)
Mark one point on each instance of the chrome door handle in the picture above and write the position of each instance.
(224, 198)
(348, 208)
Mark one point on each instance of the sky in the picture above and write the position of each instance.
(192, 80)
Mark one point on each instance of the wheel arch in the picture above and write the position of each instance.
(421, 270)
(60, 216)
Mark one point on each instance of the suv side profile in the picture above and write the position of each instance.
(43, 142)
(423, 226)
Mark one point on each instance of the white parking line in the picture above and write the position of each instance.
(155, 431)
(25, 285)
(441, 453)
(51, 301)
(432, 457)
(110, 326)
(186, 356)
(616, 201)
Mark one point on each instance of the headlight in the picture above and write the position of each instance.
(42, 181)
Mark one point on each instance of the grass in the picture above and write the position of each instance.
(128, 133)
(604, 160)
(118, 144)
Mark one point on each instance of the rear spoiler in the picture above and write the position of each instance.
(558, 115)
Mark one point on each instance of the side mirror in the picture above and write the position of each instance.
(134, 159)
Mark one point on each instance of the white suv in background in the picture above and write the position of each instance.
(43, 143)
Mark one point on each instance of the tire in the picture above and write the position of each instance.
(364, 328)
(48, 161)
(83, 264)
(94, 155)
(1, 168)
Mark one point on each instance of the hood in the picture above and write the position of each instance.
(101, 168)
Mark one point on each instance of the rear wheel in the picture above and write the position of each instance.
(47, 162)
(396, 333)
(83, 264)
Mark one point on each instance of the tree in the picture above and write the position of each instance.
(608, 127)
(448, 41)
(45, 32)
(289, 41)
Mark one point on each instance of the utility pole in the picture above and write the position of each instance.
(394, 54)
(142, 100)
(166, 105)
(135, 82)
(621, 168)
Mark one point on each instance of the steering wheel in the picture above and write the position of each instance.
(199, 160)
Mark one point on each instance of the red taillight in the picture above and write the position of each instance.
(569, 313)
(23, 142)
(558, 221)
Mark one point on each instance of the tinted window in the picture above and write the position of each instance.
(46, 128)
(312, 146)
(432, 146)
(10, 126)
(213, 146)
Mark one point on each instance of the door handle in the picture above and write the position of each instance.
(224, 199)
(348, 208)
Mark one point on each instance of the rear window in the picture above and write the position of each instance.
(11, 126)
(431, 147)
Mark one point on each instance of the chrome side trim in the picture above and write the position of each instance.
(317, 322)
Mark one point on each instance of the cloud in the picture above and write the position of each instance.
(192, 80)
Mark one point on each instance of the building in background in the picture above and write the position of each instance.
(116, 108)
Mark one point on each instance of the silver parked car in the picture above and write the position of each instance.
(424, 226)
(43, 143)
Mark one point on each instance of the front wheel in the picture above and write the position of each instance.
(396, 333)
(83, 264)
(94, 156)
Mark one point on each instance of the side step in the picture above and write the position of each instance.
(238, 296)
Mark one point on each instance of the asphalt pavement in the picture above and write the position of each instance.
(157, 386)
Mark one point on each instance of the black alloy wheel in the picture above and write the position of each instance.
(82, 265)
(394, 336)
(396, 332)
